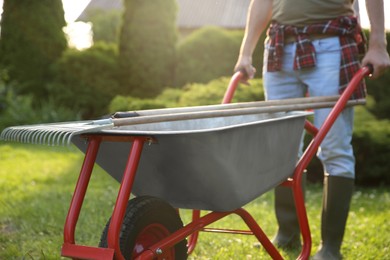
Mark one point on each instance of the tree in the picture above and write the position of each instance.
(147, 46)
(31, 40)
(105, 25)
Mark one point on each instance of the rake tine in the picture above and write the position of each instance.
(38, 136)
(49, 137)
(27, 138)
(11, 135)
(43, 136)
(55, 138)
(34, 137)
(19, 137)
(67, 138)
(59, 137)
(5, 134)
(23, 133)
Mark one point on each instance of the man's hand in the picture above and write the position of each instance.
(379, 59)
(244, 64)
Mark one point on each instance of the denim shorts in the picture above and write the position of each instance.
(335, 152)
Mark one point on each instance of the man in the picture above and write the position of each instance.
(313, 47)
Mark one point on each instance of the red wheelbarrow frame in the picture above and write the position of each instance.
(191, 230)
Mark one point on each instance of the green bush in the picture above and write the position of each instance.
(210, 53)
(204, 55)
(212, 93)
(87, 80)
(147, 46)
(32, 39)
(192, 95)
(371, 142)
(127, 103)
(379, 89)
(20, 110)
(170, 97)
(105, 25)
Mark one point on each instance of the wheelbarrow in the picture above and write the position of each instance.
(215, 158)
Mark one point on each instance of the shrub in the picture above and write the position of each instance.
(206, 54)
(20, 110)
(147, 46)
(170, 97)
(105, 25)
(123, 103)
(87, 80)
(210, 53)
(192, 95)
(379, 89)
(371, 142)
(32, 39)
(372, 148)
(213, 92)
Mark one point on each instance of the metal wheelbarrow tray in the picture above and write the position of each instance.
(215, 164)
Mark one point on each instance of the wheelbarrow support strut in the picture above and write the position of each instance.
(69, 248)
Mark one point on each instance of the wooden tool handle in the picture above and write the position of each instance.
(232, 110)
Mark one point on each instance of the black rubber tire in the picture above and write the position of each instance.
(142, 212)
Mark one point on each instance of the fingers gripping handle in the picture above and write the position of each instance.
(370, 69)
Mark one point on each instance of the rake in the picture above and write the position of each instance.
(62, 133)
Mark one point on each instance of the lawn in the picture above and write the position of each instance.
(37, 182)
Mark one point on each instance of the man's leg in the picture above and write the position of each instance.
(282, 85)
(335, 153)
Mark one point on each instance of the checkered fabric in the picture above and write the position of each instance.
(352, 43)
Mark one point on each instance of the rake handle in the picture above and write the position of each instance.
(291, 101)
(240, 109)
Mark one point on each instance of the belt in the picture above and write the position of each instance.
(291, 38)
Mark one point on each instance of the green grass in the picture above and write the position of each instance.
(37, 182)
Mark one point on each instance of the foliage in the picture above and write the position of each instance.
(121, 103)
(87, 80)
(31, 40)
(20, 110)
(213, 92)
(105, 25)
(206, 54)
(379, 89)
(371, 142)
(209, 53)
(147, 46)
(192, 95)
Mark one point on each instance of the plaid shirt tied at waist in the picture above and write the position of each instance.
(352, 42)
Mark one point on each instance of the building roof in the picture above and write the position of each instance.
(192, 13)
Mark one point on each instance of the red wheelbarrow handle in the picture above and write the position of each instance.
(311, 151)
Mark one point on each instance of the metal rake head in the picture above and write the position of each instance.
(37, 135)
(50, 134)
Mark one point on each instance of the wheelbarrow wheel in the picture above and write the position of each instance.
(147, 221)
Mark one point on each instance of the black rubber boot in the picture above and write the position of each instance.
(336, 200)
(288, 235)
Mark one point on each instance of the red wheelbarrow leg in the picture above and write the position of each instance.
(259, 233)
(69, 248)
(193, 238)
(123, 196)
